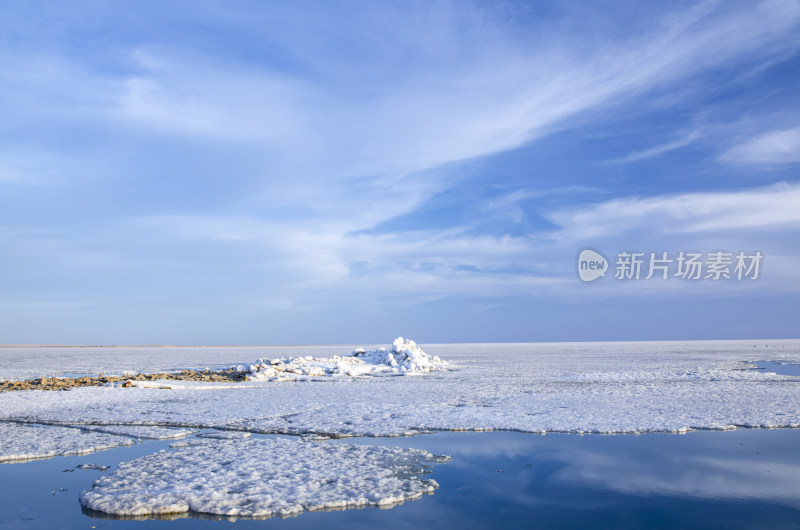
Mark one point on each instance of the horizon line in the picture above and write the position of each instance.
(8, 346)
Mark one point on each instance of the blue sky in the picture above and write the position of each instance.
(344, 172)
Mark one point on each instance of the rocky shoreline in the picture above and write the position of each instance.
(66, 383)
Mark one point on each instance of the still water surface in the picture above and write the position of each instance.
(735, 479)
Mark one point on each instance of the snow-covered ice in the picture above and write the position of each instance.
(142, 432)
(32, 362)
(262, 478)
(21, 442)
(225, 435)
(403, 357)
(600, 387)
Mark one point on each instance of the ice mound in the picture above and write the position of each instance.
(401, 358)
(262, 478)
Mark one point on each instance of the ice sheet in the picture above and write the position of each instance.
(19, 442)
(262, 478)
(601, 387)
(31, 362)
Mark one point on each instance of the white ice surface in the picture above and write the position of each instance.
(262, 478)
(143, 432)
(225, 435)
(402, 357)
(28, 363)
(582, 387)
(29, 442)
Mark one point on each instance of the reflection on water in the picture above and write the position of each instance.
(735, 479)
(94, 514)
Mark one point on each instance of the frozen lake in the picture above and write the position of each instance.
(717, 392)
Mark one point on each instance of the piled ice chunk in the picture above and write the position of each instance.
(263, 478)
(401, 358)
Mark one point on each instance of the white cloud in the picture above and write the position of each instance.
(767, 207)
(428, 261)
(508, 206)
(346, 144)
(429, 96)
(377, 129)
(774, 147)
(683, 141)
(431, 263)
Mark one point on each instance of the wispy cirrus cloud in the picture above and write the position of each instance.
(755, 208)
(773, 147)
(382, 150)
(435, 263)
(266, 149)
(434, 97)
(657, 150)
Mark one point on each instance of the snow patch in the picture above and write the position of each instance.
(262, 478)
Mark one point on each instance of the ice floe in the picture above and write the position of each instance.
(401, 358)
(262, 478)
(21, 442)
